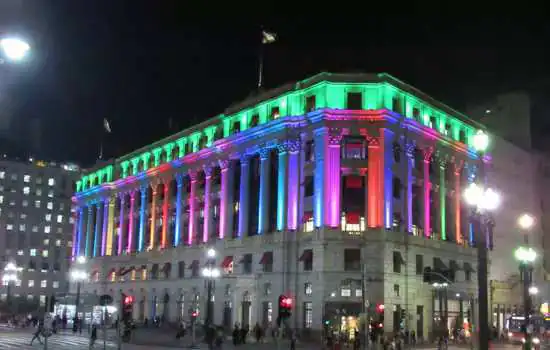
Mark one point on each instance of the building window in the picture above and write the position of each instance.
(9, 227)
(1, 199)
(23, 216)
(309, 226)
(38, 191)
(48, 217)
(55, 284)
(39, 181)
(50, 205)
(33, 252)
(37, 204)
(43, 283)
(25, 203)
(267, 289)
(354, 148)
(397, 261)
(419, 264)
(352, 259)
(26, 178)
(59, 219)
(31, 283)
(35, 228)
(345, 291)
(308, 314)
(20, 252)
(307, 259)
(2, 174)
(45, 253)
(50, 194)
(46, 229)
(14, 177)
(355, 101)
(275, 113)
(22, 227)
(358, 292)
(51, 182)
(26, 190)
(396, 188)
(308, 288)
(396, 290)
(247, 264)
(310, 103)
(58, 243)
(46, 241)
(267, 262)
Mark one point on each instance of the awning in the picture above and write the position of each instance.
(353, 181)
(352, 218)
(228, 260)
(194, 265)
(468, 267)
(439, 265)
(267, 258)
(123, 271)
(307, 255)
(454, 266)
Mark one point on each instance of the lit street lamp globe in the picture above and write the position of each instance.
(533, 290)
(481, 141)
(526, 221)
(525, 255)
(14, 49)
(484, 199)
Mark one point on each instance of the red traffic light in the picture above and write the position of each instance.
(285, 301)
(195, 313)
(380, 308)
(128, 300)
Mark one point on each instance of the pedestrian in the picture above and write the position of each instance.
(292, 340)
(37, 333)
(236, 334)
(93, 336)
(257, 332)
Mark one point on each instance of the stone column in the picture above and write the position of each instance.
(387, 176)
(179, 203)
(458, 192)
(409, 159)
(165, 208)
(110, 226)
(375, 184)
(89, 233)
(294, 183)
(97, 239)
(121, 224)
(334, 178)
(319, 178)
(192, 207)
(427, 188)
(131, 234)
(226, 197)
(80, 246)
(105, 221)
(442, 199)
(282, 186)
(142, 217)
(263, 220)
(153, 209)
(208, 224)
(244, 196)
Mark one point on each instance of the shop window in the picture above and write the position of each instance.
(310, 103)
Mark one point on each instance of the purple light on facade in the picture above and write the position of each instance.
(223, 201)
(427, 187)
(333, 190)
(410, 166)
(131, 223)
(292, 191)
(104, 230)
(192, 214)
(207, 187)
(121, 223)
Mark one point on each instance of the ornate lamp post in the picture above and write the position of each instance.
(78, 275)
(210, 273)
(482, 200)
(526, 256)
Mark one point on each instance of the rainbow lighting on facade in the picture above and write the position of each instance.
(333, 152)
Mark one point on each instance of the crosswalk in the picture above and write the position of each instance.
(22, 341)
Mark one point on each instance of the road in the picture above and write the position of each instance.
(20, 340)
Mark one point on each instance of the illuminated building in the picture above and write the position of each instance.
(297, 189)
(36, 226)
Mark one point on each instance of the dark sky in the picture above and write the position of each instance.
(140, 63)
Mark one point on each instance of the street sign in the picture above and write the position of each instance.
(105, 300)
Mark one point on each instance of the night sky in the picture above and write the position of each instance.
(142, 63)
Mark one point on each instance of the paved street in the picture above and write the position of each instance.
(20, 340)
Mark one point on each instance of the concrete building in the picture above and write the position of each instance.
(36, 225)
(335, 190)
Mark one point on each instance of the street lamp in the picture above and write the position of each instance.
(14, 49)
(482, 200)
(210, 273)
(526, 256)
(9, 277)
(78, 274)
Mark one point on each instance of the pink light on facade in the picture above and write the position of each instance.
(131, 222)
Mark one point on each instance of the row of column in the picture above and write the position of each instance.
(88, 232)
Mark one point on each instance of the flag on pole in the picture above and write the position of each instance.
(106, 125)
(268, 37)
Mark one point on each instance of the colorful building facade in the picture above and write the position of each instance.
(338, 190)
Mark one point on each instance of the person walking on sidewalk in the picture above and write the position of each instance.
(93, 335)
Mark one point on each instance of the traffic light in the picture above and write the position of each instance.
(194, 315)
(285, 308)
(380, 308)
(127, 307)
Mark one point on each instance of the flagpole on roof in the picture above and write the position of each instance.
(106, 130)
(267, 38)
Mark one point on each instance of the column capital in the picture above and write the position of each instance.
(179, 178)
(224, 163)
(282, 148)
(264, 153)
(410, 149)
(208, 170)
(334, 139)
(245, 159)
(293, 145)
(193, 174)
(373, 142)
(428, 153)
